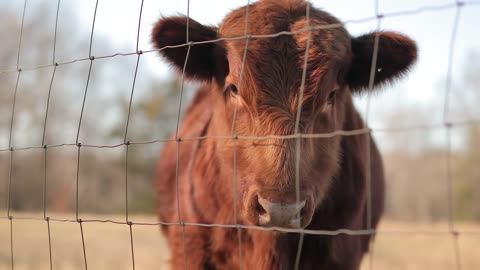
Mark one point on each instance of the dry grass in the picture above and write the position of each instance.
(415, 246)
(108, 245)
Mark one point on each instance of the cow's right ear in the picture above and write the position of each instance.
(205, 61)
(396, 54)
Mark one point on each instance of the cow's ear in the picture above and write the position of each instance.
(396, 54)
(205, 61)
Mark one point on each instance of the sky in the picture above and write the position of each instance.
(430, 25)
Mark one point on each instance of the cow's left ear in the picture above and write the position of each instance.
(205, 61)
(396, 54)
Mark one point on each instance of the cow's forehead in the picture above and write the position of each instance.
(284, 54)
(269, 17)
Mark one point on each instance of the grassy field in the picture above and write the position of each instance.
(108, 245)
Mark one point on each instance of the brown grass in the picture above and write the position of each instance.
(412, 246)
(107, 245)
(401, 245)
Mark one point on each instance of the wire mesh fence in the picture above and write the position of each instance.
(126, 145)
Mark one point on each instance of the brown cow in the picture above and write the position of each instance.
(263, 100)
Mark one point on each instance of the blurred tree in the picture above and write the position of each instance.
(467, 178)
(467, 169)
(416, 163)
(153, 116)
(100, 171)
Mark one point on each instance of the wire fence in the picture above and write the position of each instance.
(126, 144)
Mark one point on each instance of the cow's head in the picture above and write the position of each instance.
(261, 97)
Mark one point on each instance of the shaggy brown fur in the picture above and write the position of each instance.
(333, 173)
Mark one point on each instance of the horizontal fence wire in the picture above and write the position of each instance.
(251, 227)
(354, 132)
(446, 125)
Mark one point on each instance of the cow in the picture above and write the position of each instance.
(243, 155)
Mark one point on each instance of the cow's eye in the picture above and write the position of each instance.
(232, 89)
(332, 96)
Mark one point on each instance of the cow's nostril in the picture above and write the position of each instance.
(303, 211)
(259, 208)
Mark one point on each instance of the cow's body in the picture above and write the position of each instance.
(236, 158)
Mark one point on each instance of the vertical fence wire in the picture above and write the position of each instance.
(448, 131)
(177, 163)
(10, 139)
(368, 146)
(132, 249)
(297, 131)
(371, 82)
(12, 261)
(47, 220)
(55, 34)
(139, 24)
(179, 215)
(10, 144)
(179, 139)
(80, 222)
(127, 142)
(93, 28)
(49, 243)
(235, 138)
(78, 143)
(127, 217)
(45, 146)
(77, 182)
(21, 35)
